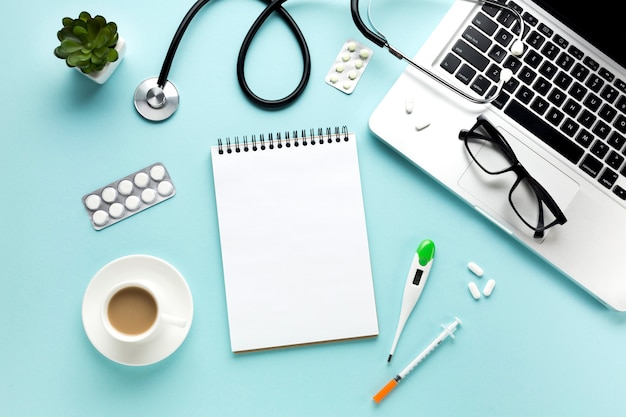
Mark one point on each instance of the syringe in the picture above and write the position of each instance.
(447, 331)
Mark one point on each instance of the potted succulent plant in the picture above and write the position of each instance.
(91, 45)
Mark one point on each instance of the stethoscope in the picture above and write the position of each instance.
(516, 49)
(156, 98)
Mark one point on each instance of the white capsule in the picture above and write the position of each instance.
(489, 286)
(474, 290)
(477, 270)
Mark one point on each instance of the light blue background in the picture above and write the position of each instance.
(539, 346)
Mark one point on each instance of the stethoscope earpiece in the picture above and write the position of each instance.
(154, 102)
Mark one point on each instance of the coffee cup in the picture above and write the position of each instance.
(132, 313)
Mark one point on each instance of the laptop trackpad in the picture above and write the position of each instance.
(492, 191)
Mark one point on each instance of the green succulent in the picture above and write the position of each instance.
(87, 43)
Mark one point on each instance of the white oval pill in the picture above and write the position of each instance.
(141, 180)
(132, 203)
(148, 195)
(92, 202)
(165, 188)
(100, 218)
(474, 290)
(489, 286)
(477, 270)
(109, 194)
(125, 187)
(157, 172)
(116, 210)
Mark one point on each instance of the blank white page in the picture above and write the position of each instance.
(294, 243)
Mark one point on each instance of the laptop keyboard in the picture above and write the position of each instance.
(557, 92)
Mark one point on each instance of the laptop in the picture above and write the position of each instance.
(563, 112)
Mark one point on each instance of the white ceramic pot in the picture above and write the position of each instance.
(103, 75)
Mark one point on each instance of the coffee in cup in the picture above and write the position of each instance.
(132, 313)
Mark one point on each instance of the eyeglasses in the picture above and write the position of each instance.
(493, 154)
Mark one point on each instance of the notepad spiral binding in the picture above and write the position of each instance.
(286, 139)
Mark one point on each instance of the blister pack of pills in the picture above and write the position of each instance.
(129, 195)
(346, 71)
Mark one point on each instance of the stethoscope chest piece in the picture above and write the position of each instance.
(154, 102)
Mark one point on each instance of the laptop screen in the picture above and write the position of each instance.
(600, 22)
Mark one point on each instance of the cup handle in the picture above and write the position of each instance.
(173, 320)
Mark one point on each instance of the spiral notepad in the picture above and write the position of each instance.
(292, 228)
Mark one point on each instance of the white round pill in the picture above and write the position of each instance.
(477, 270)
(352, 75)
(489, 286)
(109, 194)
(339, 68)
(351, 46)
(92, 202)
(157, 172)
(141, 180)
(364, 54)
(345, 57)
(132, 203)
(148, 195)
(474, 290)
(100, 218)
(347, 85)
(165, 188)
(333, 78)
(358, 64)
(125, 187)
(116, 210)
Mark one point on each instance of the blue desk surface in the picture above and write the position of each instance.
(539, 346)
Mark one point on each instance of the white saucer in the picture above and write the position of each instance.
(171, 288)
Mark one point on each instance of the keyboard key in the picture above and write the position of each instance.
(543, 131)
(471, 55)
(569, 127)
(545, 30)
(578, 91)
(580, 72)
(591, 63)
(533, 59)
(539, 105)
(535, 39)
(527, 75)
(592, 102)
(497, 53)
(609, 94)
(616, 140)
(565, 61)
(557, 97)
(607, 113)
(600, 149)
(608, 178)
(550, 50)
(591, 165)
(530, 19)
(480, 85)
(606, 74)
(572, 107)
(542, 86)
(614, 160)
(563, 80)
(595, 83)
(484, 23)
(524, 95)
(584, 138)
(587, 118)
(575, 52)
(620, 123)
(554, 116)
(548, 69)
(560, 41)
(620, 192)
(450, 63)
(503, 37)
(465, 74)
(477, 39)
(621, 104)
(601, 129)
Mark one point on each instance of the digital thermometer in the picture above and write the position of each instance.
(415, 281)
